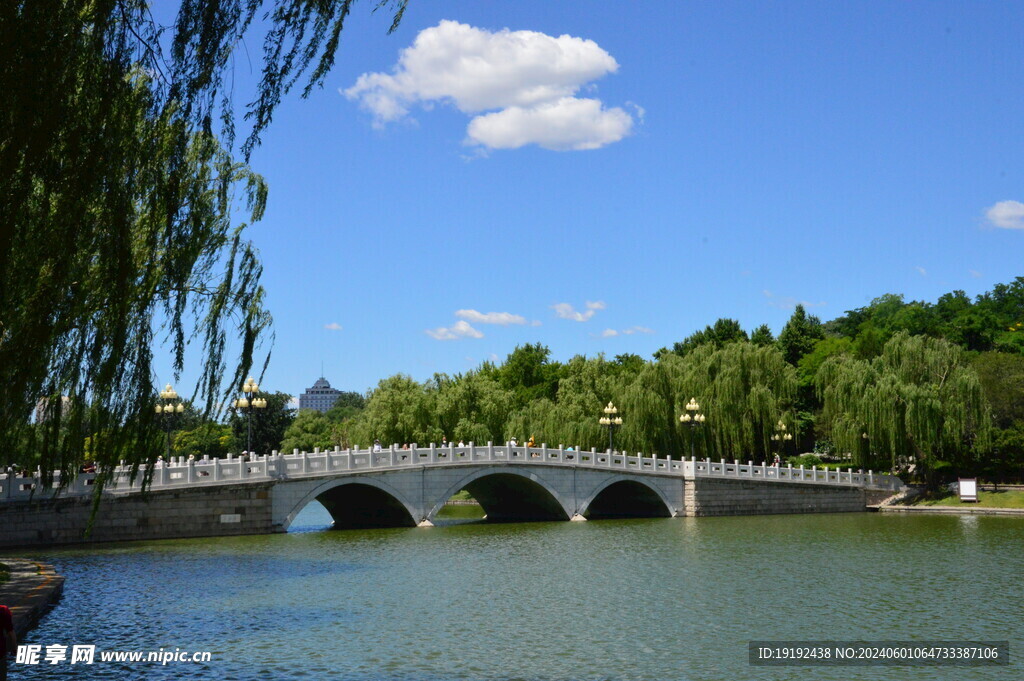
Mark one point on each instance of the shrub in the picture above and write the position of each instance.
(805, 460)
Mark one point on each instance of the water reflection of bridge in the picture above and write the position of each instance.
(405, 487)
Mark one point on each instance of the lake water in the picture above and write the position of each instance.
(658, 599)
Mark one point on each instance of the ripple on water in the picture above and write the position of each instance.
(631, 599)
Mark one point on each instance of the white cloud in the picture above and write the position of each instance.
(567, 311)
(922, 271)
(527, 79)
(1006, 215)
(501, 318)
(974, 273)
(611, 333)
(333, 326)
(789, 302)
(460, 329)
(640, 111)
(569, 124)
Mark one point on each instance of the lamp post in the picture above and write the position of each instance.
(781, 436)
(247, 403)
(867, 448)
(612, 421)
(169, 412)
(692, 418)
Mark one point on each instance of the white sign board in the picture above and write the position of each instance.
(968, 490)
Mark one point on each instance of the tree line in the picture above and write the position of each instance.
(925, 389)
(932, 389)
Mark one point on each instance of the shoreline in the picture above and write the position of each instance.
(33, 589)
(954, 510)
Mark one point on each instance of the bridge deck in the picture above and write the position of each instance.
(179, 473)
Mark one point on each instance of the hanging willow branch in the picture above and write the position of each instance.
(744, 389)
(118, 202)
(919, 401)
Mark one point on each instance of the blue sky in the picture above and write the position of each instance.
(748, 155)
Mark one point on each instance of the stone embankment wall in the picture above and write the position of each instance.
(33, 588)
(712, 497)
(171, 514)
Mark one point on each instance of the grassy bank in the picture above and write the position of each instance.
(5, 573)
(1000, 499)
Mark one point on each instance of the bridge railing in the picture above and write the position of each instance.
(181, 472)
(813, 475)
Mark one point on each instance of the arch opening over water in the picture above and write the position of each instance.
(627, 499)
(357, 505)
(506, 497)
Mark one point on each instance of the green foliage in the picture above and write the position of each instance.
(399, 410)
(919, 400)
(309, 430)
(805, 460)
(349, 402)
(808, 365)
(744, 389)
(529, 374)
(724, 331)
(119, 206)
(996, 499)
(268, 424)
(994, 321)
(474, 407)
(1006, 457)
(208, 439)
(799, 335)
(762, 335)
(1002, 381)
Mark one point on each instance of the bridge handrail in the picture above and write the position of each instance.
(180, 472)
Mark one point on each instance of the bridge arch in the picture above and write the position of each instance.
(508, 495)
(625, 496)
(360, 501)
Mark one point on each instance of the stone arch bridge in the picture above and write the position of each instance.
(406, 487)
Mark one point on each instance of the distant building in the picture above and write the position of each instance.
(45, 410)
(320, 397)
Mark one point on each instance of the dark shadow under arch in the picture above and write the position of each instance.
(627, 499)
(514, 498)
(356, 505)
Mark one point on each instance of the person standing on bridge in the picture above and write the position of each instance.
(377, 446)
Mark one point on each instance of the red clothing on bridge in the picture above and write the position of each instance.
(6, 628)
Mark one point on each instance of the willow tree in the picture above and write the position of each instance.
(919, 401)
(399, 410)
(118, 205)
(473, 407)
(649, 409)
(743, 390)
